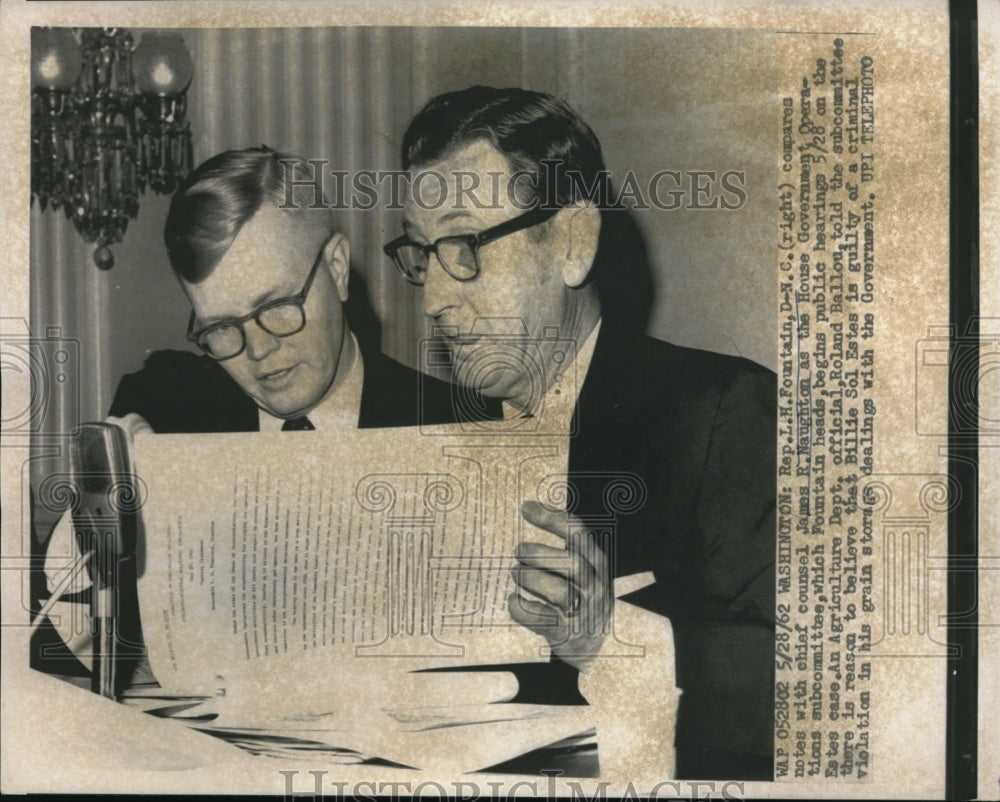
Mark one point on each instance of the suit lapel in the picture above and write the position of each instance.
(607, 427)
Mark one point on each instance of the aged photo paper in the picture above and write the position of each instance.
(331, 615)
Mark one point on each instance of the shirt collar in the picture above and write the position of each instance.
(340, 407)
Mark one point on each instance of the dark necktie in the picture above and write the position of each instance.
(302, 424)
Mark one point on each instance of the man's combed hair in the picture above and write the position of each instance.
(528, 127)
(210, 208)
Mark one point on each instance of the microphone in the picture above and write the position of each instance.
(105, 524)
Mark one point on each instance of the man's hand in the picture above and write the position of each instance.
(572, 585)
(133, 424)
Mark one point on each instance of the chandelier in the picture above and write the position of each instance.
(107, 119)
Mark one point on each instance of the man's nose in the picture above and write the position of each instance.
(260, 343)
(439, 287)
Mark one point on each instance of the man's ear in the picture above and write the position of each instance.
(337, 253)
(582, 228)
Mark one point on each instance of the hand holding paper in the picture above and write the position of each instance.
(573, 585)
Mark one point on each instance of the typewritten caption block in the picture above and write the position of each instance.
(827, 361)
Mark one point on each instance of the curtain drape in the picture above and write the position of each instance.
(70, 372)
(339, 94)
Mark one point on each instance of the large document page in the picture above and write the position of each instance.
(358, 545)
(306, 583)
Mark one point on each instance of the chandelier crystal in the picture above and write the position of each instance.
(107, 120)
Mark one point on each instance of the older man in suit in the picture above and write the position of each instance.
(503, 237)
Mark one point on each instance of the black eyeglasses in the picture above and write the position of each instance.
(457, 254)
(281, 317)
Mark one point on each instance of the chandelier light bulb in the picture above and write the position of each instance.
(163, 77)
(162, 64)
(56, 58)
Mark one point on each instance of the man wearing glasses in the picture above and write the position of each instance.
(509, 277)
(269, 293)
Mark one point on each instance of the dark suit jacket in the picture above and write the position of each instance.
(699, 429)
(180, 392)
